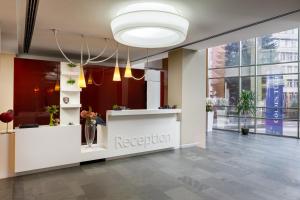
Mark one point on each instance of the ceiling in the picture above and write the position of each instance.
(92, 18)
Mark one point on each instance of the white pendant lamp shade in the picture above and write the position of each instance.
(81, 81)
(117, 75)
(149, 25)
(128, 73)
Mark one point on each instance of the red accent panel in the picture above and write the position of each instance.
(162, 89)
(34, 82)
(128, 92)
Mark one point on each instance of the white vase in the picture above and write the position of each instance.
(210, 121)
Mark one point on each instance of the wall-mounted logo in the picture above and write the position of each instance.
(144, 141)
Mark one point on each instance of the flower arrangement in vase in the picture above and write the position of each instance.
(90, 125)
(210, 103)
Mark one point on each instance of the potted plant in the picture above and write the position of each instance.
(210, 114)
(52, 110)
(116, 107)
(71, 81)
(72, 65)
(246, 108)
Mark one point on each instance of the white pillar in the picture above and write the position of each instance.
(153, 89)
(6, 102)
(6, 86)
(187, 90)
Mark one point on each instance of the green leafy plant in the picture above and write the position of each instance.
(246, 106)
(71, 81)
(72, 65)
(52, 110)
(116, 107)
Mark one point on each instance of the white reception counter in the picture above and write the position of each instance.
(127, 132)
(135, 131)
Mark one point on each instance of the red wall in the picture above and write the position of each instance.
(34, 82)
(128, 92)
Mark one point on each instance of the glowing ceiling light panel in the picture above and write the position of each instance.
(149, 25)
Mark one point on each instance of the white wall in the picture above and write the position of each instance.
(194, 97)
(6, 102)
(175, 78)
(6, 85)
(153, 89)
(7, 155)
(187, 89)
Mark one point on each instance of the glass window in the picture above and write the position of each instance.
(288, 68)
(224, 55)
(224, 72)
(226, 90)
(269, 67)
(226, 110)
(277, 127)
(277, 91)
(248, 83)
(278, 47)
(273, 113)
(228, 123)
(249, 123)
(248, 71)
(248, 52)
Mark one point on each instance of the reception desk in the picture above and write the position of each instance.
(46, 147)
(135, 131)
(127, 132)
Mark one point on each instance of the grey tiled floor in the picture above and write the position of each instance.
(232, 167)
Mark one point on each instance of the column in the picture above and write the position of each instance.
(153, 88)
(6, 102)
(6, 86)
(187, 90)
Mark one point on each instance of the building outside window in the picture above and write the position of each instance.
(268, 66)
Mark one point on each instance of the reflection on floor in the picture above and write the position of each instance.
(233, 167)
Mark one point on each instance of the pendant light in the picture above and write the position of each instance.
(90, 79)
(81, 81)
(128, 73)
(117, 76)
(57, 86)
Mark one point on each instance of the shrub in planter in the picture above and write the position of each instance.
(246, 108)
(71, 81)
(71, 65)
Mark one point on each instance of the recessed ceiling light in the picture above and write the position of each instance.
(149, 25)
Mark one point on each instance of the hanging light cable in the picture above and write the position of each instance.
(138, 79)
(81, 81)
(89, 59)
(128, 73)
(117, 76)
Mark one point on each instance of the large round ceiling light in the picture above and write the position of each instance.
(149, 25)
